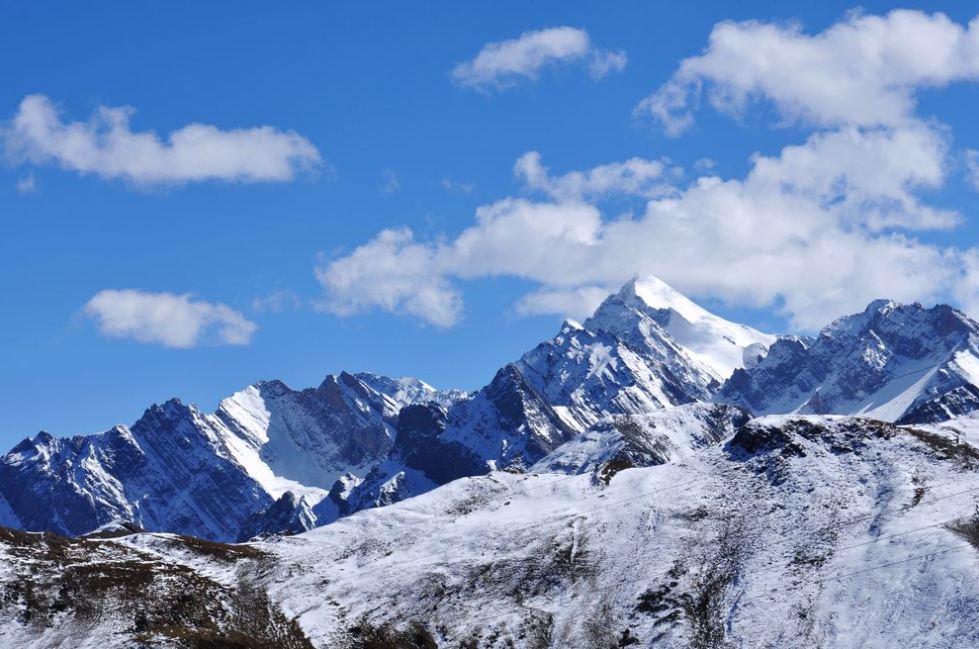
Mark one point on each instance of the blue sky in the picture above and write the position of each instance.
(378, 133)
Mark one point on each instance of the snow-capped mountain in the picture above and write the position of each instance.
(587, 374)
(631, 384)
(506, 425)
(172, 470)
(210, 475)
(621, 362)
(646, 302)
(891, 362)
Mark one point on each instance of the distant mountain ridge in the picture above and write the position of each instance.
(181, 470)
(893, 362)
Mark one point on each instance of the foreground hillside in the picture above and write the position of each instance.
(790, 532)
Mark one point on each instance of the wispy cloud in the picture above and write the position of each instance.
(504, 64)
(25, 184)
(166, 319)
(276, 302)
(454, 186)
(106, 146)
(390, 183)
(971, 157)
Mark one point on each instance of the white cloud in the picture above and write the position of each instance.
(167, 319)
(634, 177)
(106, 146)
(821, 227)
(575, 302)
(605, 61)
(704, 164)
(394, 273)
(967, 288)
(862, 71)
(504, 64)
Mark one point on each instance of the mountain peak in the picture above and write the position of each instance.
(714, 342)
(657, 294)
(890, 361)
(882, 306)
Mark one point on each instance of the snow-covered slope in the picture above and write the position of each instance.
(714, 342)
(891, 362)
(799, 532)
(627, 441)
(795, 532)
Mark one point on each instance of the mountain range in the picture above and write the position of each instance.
(272, 459)
(654, 473)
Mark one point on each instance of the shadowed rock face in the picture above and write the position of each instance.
(166, 473)
(288, 515)
(180, 470)
(959, 401)
(888, 362)
(507, 424)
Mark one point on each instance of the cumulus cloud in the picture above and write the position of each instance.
(106, 146)
(166, 319)
(822, 227)
(504, 64)
(634, 177)
(819, 228)
(862, 71)
(394, 273)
